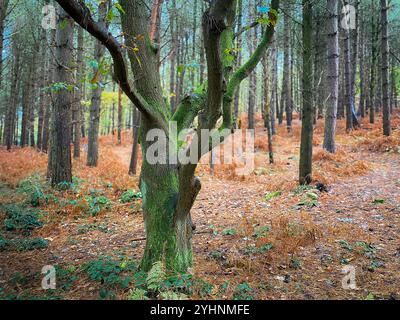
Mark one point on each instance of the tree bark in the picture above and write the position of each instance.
(173, 56)
(372, 84)
(267, 115)
(3, 14)
(59, 165)
(119, 115)
(135, 132)
(306, 147)
(274, 86)
(170, 190)
(362, 67)
(24, 139)
(385, 69)
(10, 123)
(351, 118)
(80, 73)
(95, 105)
(43, 82)
(239, 59)
(287, 90)
(333, 76)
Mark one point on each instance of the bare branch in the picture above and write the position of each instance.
(81, 14)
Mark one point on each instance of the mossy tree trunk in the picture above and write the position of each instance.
(169, 190)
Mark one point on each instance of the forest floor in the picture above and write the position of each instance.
(258, 237)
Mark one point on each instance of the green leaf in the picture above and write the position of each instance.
(181, 68)
(119, 7)
(110, 15)
(63, 24)
(272, 195)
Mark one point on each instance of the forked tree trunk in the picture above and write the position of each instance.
(168, 237)
(169, 190)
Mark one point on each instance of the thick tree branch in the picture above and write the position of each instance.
(81, 14)
(213, 26)
(244, 71)
(188, 110)
(214, 23)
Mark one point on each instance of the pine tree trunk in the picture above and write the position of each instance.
(385, 69)
(94, 116)
(274, 86)
(32, 95)
(362, 68)
(239, 60)
(135, 133)
(10, 123)
(48, 96)
(306, 147)
(348, 73)
(119, 115)
(59, 165)
(24, 139)
(287, 90)
(354, 63)
(3, 13)
(372, 84)
(194, 41)
(333, 76)
(267, 112)
(173, 55)
(43, 83)
(80, 73)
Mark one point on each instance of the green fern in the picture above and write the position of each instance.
(156, 276)
(172, 295)
(137, 294)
